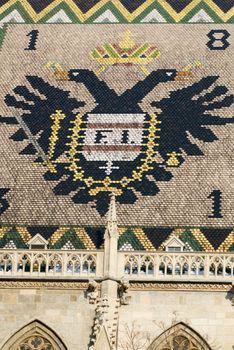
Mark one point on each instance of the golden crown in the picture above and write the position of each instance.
(126, 52)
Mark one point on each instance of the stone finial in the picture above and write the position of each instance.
(112, 217)
(112, 228)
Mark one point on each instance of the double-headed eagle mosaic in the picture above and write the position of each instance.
(113, 147)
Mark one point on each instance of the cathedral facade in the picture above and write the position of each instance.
(116, 298)
(116, 175)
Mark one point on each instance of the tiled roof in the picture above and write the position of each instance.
(48, 175)
(107, 11)
(130, 238)
(166, 159)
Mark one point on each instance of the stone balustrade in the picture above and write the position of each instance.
(186, 266)
(135, 265)
(49, 264)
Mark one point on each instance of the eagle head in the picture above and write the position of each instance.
(164, 75)
(80, 75)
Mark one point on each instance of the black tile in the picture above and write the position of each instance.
(216, 236)
(224, 5)
(178, 5)
(157, 235)
(131, 6)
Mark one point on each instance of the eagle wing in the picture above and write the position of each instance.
(36, 121)
(190, 111)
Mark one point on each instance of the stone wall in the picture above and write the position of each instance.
(150, 312)
(65, 311)
(210, 314)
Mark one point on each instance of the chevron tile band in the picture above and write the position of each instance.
(116, 11)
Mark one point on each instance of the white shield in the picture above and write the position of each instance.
(113, 137)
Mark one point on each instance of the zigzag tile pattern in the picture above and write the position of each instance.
(130, 238)
(123, 11)
(65, 237)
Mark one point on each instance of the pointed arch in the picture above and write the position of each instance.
(179, 337)
(34, 333)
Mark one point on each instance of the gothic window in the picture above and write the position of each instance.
(35, 342)
(34, 336)
(179, 337)
(179, 343)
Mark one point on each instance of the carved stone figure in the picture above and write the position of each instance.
(92, 291)
(123, 291)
